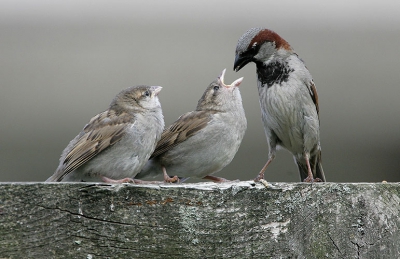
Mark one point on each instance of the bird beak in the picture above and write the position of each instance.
(222, 76)
(236, 83)
(156, 89)
(241, 60)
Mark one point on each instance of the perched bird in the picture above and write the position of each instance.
(202, 142)
(288, 100)
(115, 144)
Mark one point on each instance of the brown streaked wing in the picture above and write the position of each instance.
(186, 126)
(314, 96)
(103, 130)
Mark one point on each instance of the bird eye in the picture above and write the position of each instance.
(216, 88)
(147, 93)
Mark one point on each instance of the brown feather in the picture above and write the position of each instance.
(268, 35)
(186, 126)
(314, 96)
(103, 130)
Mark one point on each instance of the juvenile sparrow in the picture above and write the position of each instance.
(202, 142)
(288, 100)
(115, 144)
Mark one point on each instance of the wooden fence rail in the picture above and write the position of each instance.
(203, 220)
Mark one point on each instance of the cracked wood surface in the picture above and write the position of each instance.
(204, 220)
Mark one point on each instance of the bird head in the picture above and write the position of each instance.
(220, 96)
(137, 98)
(259, 45)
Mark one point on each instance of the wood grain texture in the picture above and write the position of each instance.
(204, 220)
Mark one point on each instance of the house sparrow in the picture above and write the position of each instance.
(202, 142)
(288, 100)
(115, 144)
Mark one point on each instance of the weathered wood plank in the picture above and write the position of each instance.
(205, 220)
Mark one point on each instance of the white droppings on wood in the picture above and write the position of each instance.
(276, 228)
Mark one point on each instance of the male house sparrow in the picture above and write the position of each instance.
(202, 142)
(288, 100)
(115, 144)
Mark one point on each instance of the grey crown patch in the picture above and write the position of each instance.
(246, 38)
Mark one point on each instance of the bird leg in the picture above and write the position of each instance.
(168, 179)
(261, 173)
(310, 177)
(216, 179)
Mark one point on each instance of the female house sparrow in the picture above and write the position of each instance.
(115, 144)
(202, 142)
(288, 100)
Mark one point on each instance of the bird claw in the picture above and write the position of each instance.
(264, 182)
(312, 180)
(129, 180)
(124, 180)
(168, 179)
(259, 178)
(216, 179)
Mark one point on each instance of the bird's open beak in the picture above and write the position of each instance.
(241, 60)
(236, 83)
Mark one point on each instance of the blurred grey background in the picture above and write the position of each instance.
(62, 62)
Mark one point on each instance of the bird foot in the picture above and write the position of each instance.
(168, 179)
(264, 182)
(312, 180)
(259, 178)
(124, 180)
(129, 180)
(216, 179)
(146, 182)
